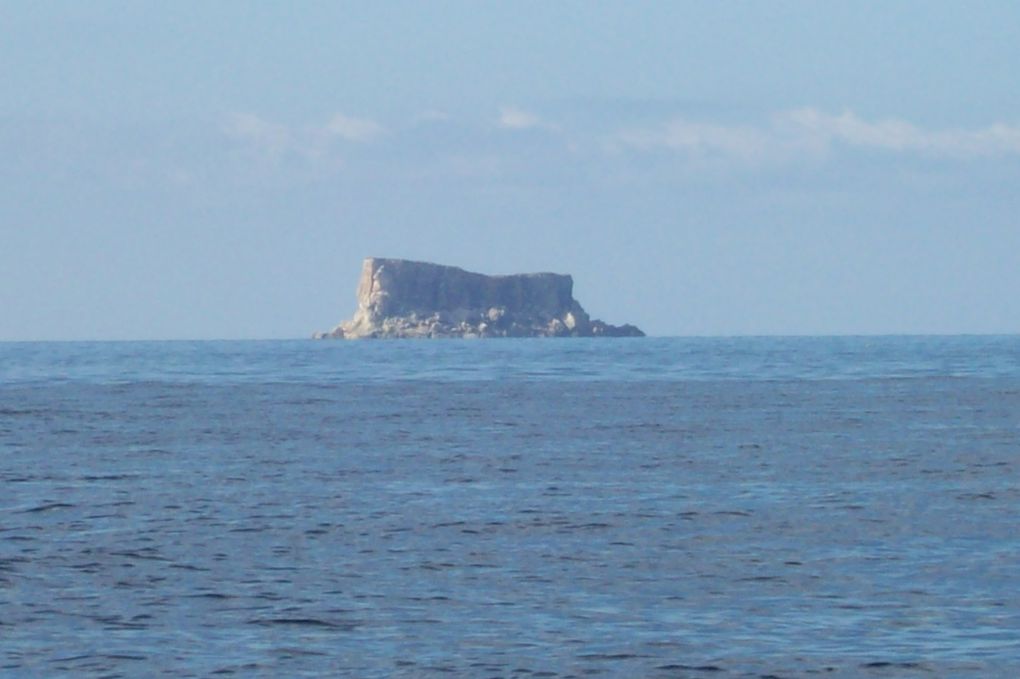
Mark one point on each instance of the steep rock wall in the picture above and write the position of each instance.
(401, 298)
(394, 287)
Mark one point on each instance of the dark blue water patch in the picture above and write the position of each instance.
(326, 363)
(226, 509)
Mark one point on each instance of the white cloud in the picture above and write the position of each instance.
(353, 129)
(432, 115)
(311, 141)
(511, 118)
(897, 135)
(270, 137)
(810, 132)
(700, 138)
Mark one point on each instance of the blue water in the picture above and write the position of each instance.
(511, 508)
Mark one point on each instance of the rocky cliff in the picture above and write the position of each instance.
(400, 298)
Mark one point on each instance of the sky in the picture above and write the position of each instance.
(197, 170)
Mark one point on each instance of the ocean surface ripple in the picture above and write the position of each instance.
(757, 507)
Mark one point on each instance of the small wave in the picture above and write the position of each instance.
(46, 507)
(305, 622)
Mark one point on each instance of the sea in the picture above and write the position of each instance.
(659, 507)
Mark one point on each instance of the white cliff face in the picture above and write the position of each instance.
(403, 299)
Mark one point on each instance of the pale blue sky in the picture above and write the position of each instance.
(219, 170)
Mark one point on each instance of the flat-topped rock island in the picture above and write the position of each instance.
(398, 298)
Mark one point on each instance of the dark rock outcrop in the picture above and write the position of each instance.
(400, 298)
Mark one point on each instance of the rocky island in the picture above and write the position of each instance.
(398, 298)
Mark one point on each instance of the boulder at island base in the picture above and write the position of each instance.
(398, 298)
